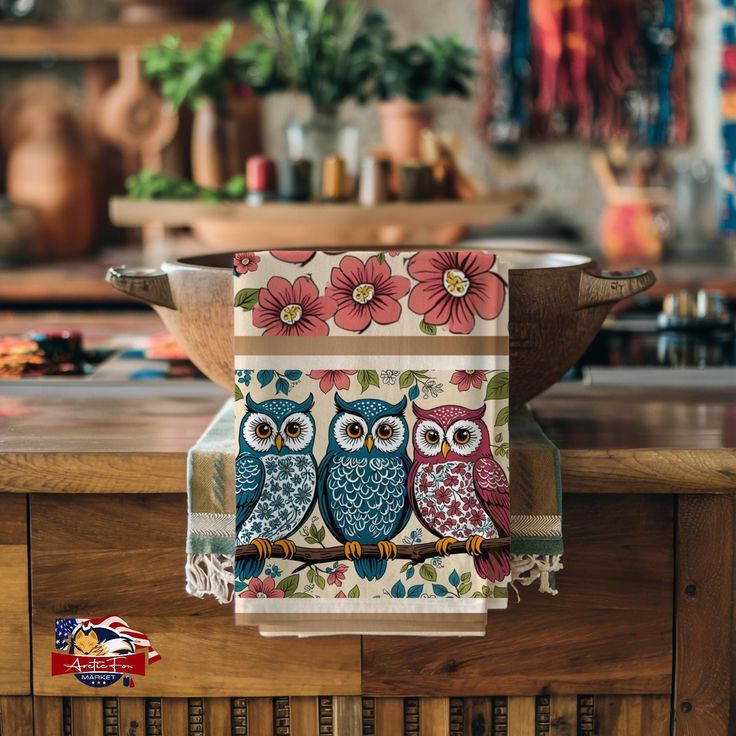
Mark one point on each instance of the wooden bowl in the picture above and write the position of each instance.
(558, 303)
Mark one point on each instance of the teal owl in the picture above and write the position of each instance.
(362, 479)
(275, 477)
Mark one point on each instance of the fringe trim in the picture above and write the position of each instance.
(526, 569)
(209, 574)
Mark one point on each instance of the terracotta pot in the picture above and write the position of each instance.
(402, 123)
(559, 302)
(145, 11)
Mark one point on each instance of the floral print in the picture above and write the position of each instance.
(265, 588)
(465, 379)
(454, 288)
(245, 262)
(365, 292)
(332, 379)
(286, 310)
(336, 574)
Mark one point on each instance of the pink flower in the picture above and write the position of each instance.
(454, 508)
(476, 517)
(337, 575)
(465, 379)
(244, 262)
(442, 495)
(329, 379)
(265, 588)
(286, 309)
(294, 256)
(454, 287)
(365, 293)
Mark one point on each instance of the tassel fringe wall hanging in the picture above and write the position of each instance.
(599, 70)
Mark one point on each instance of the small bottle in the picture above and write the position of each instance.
(260, 177)
(333, 179)
(373, 182)
(295, 180)
(416, 182)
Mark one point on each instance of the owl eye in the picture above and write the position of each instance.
(432, 437)
(462, 436)
(263, 431)
(465, 437)
(354, 430)
(293, 430)
(385, 431)
(428, 436)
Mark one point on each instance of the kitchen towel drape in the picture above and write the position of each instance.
(372, 474)
(314, 333)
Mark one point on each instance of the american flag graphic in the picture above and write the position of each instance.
(65, 626)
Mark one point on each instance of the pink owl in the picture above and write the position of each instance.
(456, 488)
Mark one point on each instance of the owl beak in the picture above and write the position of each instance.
(445, 448)
(279, 442)
(369, 442)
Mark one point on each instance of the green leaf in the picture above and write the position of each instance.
(500, 592)
(354, 592)
(310, 575)
(478, 594)
(238, 393)
(498, 387)
(427, 329)
(464, 588)
(406, 379)
(246, 299)
(428, 572)
(309, 539)
(381, 257)
(486, 591)
(289, 585)
(466, 576)
(320, 581)
(301, 595)
(313, 531)
(502, 450)
(502, 417)
(499, 437)
(321, 534)
(368, 378)
(405, 566)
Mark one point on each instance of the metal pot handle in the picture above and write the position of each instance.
(605, 287)
(148, 284)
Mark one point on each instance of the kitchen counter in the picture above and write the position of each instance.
(133, 438)
(92, 483)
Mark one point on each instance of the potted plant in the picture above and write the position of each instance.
(407, 78)
(202, 79)
(328, 50)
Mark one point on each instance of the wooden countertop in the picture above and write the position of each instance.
(80, 437)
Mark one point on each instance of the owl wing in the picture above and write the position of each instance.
(249, 482)
(492, 488)
(323, 498)
(408, 502)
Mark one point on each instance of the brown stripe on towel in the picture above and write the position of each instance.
(389, 345)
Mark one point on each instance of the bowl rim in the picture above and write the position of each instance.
(567, 260)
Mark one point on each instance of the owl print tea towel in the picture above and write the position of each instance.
(372, 489)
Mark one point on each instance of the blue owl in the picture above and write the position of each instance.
(362, 479)
(275, 477)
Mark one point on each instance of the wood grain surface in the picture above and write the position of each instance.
(15, 672)
(16, 715)
(124, 555)
(134, 438)
(704, 601)
(611, 623)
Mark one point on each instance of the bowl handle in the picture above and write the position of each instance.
(148, 284)
(605, 287)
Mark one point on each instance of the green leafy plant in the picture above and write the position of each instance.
(148, 184)
(188, 76)
(437, 65)
(329, 50)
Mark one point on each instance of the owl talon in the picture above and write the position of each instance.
(443, 545)
(288, 547)
(473, 545)
(387, 550)
(263, 546)
(353, 550)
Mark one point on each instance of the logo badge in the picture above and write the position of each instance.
(101, 651)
